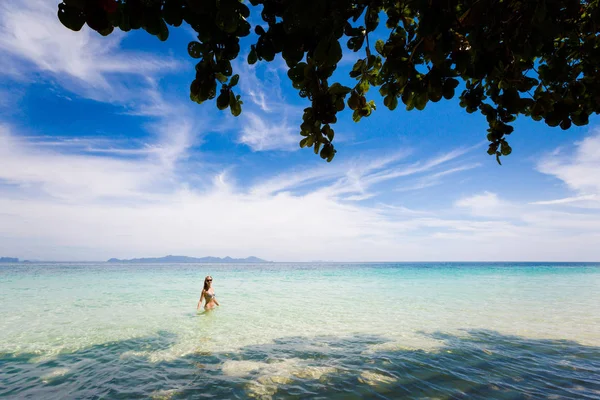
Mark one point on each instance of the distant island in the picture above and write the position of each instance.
(8, 260)
(184, 259)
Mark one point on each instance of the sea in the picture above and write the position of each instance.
(300, 331)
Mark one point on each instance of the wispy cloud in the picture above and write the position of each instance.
(567, 200)
(436, 178)
(341, 178)
(486, 204)
(578, 171)
(99, 197)
(107, 206)
(354, 180)
(265, 123)
(74, 177)
(34, 41)
(418, 167)
(131, 196)
(261, 84)
(260, 134)
(32, 38)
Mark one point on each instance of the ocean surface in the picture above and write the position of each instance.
(335, 331)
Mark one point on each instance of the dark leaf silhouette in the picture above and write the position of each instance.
(537, 58)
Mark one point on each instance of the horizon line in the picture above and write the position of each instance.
(128, 261)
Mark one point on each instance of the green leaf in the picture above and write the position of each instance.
(453, 83)
(71, 17)
(338, 89)
(421, 101)
(163, 33)
(358, 66)
(371, 19)
(227, 20)
(407, 99)
(234, 105)
(243, 10)
(225, 67)
(328, 51)
(266, 50)
(363, 87)
(580, 118)
(448, 92)
(335, 52)
(222, 78)
(292, 54)
(354, 101)
(565, 124)
(243, 28)
(379, 46)
(172, 13)
(426, 52)
(328, 132)
(390, 102)
(80, 4)
(331, 155)
(505, 149)
(195, 49)
(252, 57)
(223, 100)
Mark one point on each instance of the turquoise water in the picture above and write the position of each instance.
(440, 331)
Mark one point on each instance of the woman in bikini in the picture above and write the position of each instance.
(208, 294)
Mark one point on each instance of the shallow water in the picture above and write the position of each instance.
(301, 330)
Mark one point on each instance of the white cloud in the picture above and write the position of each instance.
(578, 171)
(353, 180)
(264, 126)
(295, 180)
(96, 207)
(435, 178)
(261, 134)
(264, 93)
(567, 200)
(99, 198)
(74, 177)
(33, 40)
(418, 167)
(107, 206)
(486, 204)
(32, 36)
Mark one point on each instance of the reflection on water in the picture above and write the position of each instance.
(476, 365)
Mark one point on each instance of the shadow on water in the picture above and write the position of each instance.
(477, 365)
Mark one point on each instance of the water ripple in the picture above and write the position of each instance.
(479, 365)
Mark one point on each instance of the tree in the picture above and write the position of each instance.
(538, 58)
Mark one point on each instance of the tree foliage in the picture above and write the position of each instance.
(538, 58)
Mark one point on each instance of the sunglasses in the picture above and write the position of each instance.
(209, 280)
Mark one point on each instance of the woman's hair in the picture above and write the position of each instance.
(206, 282)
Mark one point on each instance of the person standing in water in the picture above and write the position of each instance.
(208, 294)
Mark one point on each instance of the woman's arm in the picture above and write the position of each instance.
(200, 301)
(216, 301)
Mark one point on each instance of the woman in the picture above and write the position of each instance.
(208, 294)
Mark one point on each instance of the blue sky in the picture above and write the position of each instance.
(102, 154)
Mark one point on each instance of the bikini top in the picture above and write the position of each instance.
(209, 295)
